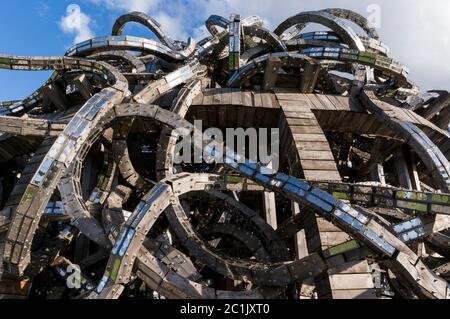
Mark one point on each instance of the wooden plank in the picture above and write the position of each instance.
(285, 104)
(336, 102)
(376, 126)
(407, 115)
(301, 248)
(226, 96)
(361, 124)
(275, 103)
(302, 122)
(340, 103)
(315, 155)
(319, 165)
(296, 108)
(290, 96)
(313, 146)
(316, 103)
(329, 239)
(217, 97)
(309, 77)
(273, 65)
(300, 115)
(309, 138)
(270, 209)
(335, 120)
(355, 294)
(326, 226)
(247, 99)
(323, 118)
(236, 97)
(351, 281)
(326, 103)
(56, 96)
(208, 97)
(344, 122)
(266, 100)
(354, 267)
(316, 175)
(257, 102)
(437, 224)
(306, 130)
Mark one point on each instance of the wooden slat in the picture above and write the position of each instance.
(319, 165)
(217, 97)
(309, 138)
(236, 97)
(266, 100)
(290, 96)
(351, 281)
(299, 115)
(316, 175)
(208, 97)
(306, 129)
(198, 100)
(326, 226)
(315, 155)
(326, 103)
(273, 65)
(336, 102)
(354, 267)
(247, 99)
(355, 294)
(301, 122)
(313, 146)
(316, 103)
(226, 96)
(330, 239)
(257, 102)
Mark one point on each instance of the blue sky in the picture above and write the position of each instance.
(416, 32)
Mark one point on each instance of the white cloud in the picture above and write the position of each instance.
(200, 33)
(172, 25)
(128, 5)
(77, 22)
(415, 30)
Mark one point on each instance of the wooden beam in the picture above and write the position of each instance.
(83, 86)
(273, 65)
(406, 168)
(301, 247)
(56, 97)
(270, 209)
(309, 77)
(377, 174)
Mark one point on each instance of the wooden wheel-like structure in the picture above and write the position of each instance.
(359, 207)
